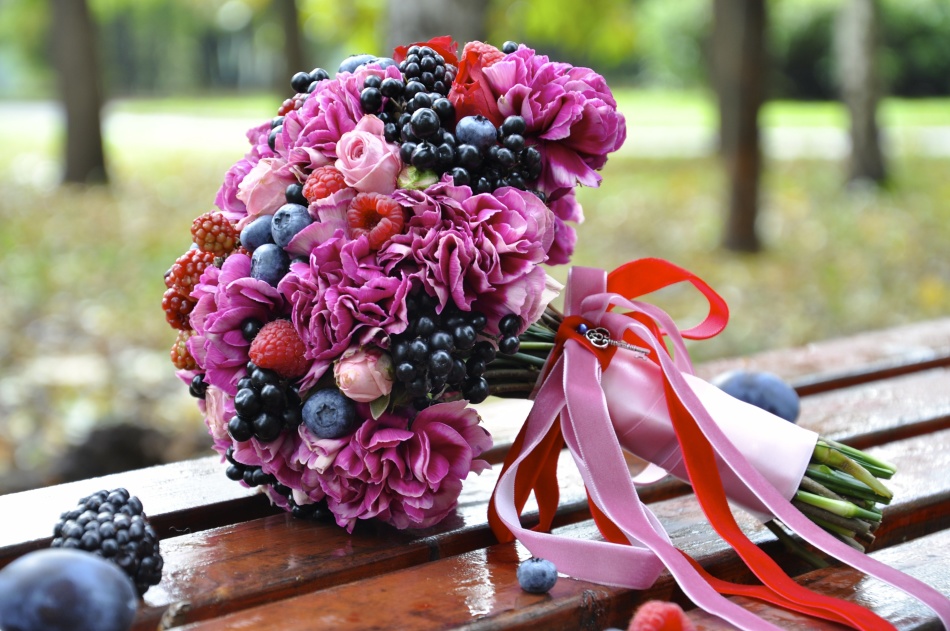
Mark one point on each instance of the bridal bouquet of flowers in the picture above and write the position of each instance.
(375, 265)
(376, 248)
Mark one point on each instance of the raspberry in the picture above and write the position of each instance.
(277, 347)
(375, 215)
(658, 615)
(212, 232)
(186, 272)
(177, 308)
(179, 352)
(291, 104)
(323, 182)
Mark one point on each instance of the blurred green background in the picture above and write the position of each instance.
(83, 340)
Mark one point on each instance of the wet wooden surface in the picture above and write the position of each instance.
(232, 562)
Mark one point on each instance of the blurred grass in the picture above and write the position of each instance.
(84, 339)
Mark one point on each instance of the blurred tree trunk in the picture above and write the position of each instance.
(739, 60)
(295, 58)
(856, 55)
(80, 84)
(420, 20)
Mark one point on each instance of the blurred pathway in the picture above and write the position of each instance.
(177, 131)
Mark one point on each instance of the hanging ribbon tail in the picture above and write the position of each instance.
(638, 394)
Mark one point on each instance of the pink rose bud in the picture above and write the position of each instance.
(364, 375)
(368, 163)
(263, 190)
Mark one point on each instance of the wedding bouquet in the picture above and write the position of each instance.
(376, 248)
(375, 265)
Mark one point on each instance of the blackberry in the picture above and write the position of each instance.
(113, 525)
(265, 404)
(198, 387)
(250, 475)
(445, 352)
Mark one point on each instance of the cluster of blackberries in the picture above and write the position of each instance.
(113, 525)
(265, 405)
(251, 475)
(428, 67)
(315, 510)
(443, 351)
(491, 157)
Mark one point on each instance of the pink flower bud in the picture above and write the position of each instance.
(364, 375)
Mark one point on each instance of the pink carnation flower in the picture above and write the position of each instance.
(406, 476)
(226, 298)
(570, 113)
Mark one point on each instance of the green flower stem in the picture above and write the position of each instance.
(537, 346)
(531, 360)
(807, 484)
(869, 462)
(837, 507)
(512, 375)
(792, 546)
(834, 458)
(843, 484)
(858, 526)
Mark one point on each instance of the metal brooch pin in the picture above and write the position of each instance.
(600, 338)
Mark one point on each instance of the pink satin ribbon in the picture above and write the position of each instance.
(571, 404)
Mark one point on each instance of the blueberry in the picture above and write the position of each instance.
(329, 414)
(761, 389)
(476, 130)
(288, 221)
(385, 62)
(353, 62)
(257, 233)
(269, 263)
(65, 590)
(537, 576)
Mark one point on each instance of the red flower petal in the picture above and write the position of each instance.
(442, 45)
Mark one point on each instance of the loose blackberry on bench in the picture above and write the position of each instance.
(113, 525)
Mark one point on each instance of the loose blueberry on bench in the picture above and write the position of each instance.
(537, 576)
(113, 525)
(65, 590)
(761, 389)
(329, 414)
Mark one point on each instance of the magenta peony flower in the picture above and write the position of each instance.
(570, 113)
(364, 374)
(407, 476)
(310, 134)
(368, 163)
(479, 252)
(226, 298)
(341, 298)
(275, 457)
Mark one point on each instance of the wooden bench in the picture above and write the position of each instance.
(233, 562)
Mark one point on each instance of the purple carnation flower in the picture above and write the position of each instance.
(309, 135)
(570, 113)
(226, 298)
(343, 297)
(479, 252)
(406, 476)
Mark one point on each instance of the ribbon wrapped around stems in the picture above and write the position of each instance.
(632, 393)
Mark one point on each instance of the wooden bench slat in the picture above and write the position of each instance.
(841, 362)
(407, 590)
(926, 558)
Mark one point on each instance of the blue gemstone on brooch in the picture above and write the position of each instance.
(582, 328)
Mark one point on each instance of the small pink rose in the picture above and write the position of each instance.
(368, 163)
(263, 189)
(364, 375)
